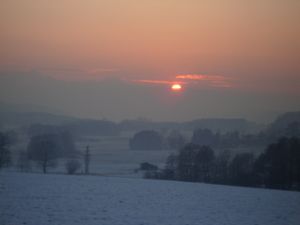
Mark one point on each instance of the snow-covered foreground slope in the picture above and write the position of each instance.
(36, 199)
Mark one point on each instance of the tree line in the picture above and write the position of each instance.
(153, 140)
(277, 167)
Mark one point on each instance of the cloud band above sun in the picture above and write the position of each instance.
(217, 81)
(158, 81)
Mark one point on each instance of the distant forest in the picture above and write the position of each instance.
(277, 167)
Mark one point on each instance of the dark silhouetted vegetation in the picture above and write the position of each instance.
(72, 166)
(241, 169)
(23, 162)
(229, 139)
(146, 140)
(277, 167)
(4, 150)
(45, 149)
(194, 163)
(148, 166)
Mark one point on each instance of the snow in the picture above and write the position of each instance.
(37, 199)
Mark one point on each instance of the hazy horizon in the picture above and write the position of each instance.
(81, 99)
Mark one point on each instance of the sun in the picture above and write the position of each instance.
(176, 87)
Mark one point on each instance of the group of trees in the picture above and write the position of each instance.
(153, 140)
(234, 138)
(146, 140)
(228, 139)
(45, 150)
(277, 167)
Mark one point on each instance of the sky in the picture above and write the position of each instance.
(117, 58)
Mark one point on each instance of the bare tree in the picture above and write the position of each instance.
(43, 150)
(23, 162)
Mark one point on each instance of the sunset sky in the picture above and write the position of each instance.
(118, 58)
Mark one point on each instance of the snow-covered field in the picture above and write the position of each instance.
(36, 199)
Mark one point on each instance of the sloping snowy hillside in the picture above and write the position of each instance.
(36, 199)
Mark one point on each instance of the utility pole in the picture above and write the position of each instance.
(87, 157)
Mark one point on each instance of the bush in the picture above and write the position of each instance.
(72, 166)
(148, 166)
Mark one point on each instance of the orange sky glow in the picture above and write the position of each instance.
(246, 46)
(152, 39)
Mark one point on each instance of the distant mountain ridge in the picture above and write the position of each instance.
(285, 119)
(287, 124)
(29, 108)
(17, 116)
(19, 119)
(223, 124)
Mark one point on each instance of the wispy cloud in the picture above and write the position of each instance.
(158, 81)
(210, 80)
(79, 74)
(63, 72)
(199, 77)
(194, 79)
(91, 71)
